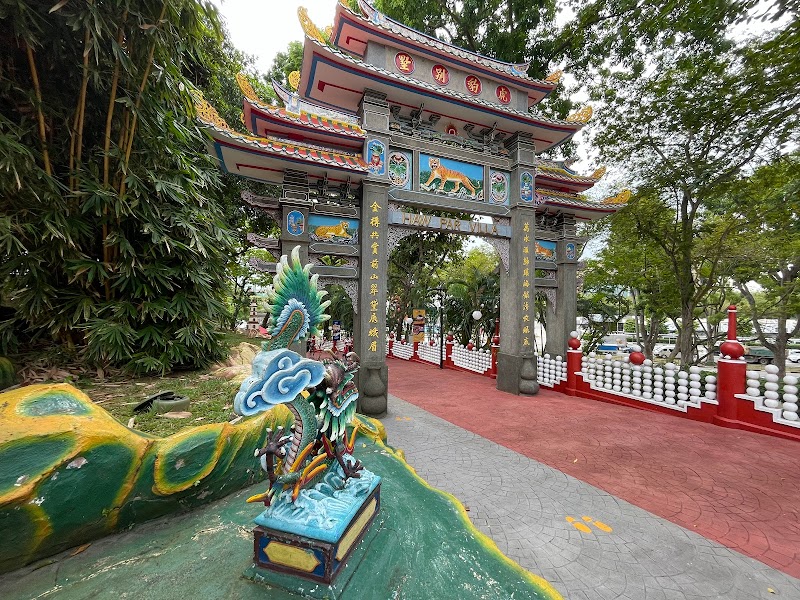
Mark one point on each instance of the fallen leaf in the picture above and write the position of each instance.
(131, 422)
(177, 414)
(576, 460)
(80, 549)
(770, 590)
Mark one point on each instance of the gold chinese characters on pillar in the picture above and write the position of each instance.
(374, 264)
(526, 286)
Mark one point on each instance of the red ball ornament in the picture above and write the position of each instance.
(496, 340)
(731, 348)
(431, 342)
(637, 358)
(574, 343)
(450, 337)
(470, 346)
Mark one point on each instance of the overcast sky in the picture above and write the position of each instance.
(263, 29)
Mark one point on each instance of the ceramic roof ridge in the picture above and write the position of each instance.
(444, 91)
(325, 123)
(307, 152)
(377, 18)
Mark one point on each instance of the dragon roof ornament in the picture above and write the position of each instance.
(554, 77)
(620, 198)
(582, 116)
(247, 88)
(598, 173)
(207, 113)
(308, 26)
(294, 80)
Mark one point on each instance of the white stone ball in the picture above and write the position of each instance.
(772, 403)
(710, 394)
(694, 377)
(711, 379)
(626, 390)
(772, 377)
(683, 374)
(791, 416)
(772, 369)
(753, 374)
(573, 334)
(694, 392)
(790, 406)
(682, 396)
(647, 395)
(592, 354)
(617, 363)
(670, 366)
(771, 385)
(789, 397)
(710, 387)
(682, 389)
(695, 384)
(694, 369)
(790, 380)
(789, 389)
(616, 388)
(670, 400)
(753, 391)
(547, 356)
(669, 379)
(771, 395)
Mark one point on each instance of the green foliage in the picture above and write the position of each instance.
(284, 63)
(111, 232)
(412, 273)
(472, 284)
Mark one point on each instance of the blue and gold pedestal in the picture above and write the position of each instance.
(314, 558)
(311, 539)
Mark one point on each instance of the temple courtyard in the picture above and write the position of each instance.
(602, 501)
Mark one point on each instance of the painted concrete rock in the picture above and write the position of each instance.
(69, 472)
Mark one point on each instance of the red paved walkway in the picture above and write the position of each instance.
(737, 488)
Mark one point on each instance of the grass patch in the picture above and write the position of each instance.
(211, 400)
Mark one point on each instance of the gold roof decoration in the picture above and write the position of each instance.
(247, 88)
(554, 77)
(582, 116)
(620, 198)
(328, 32)
(309, 28)
(294, 80)
(598, 173)
(206, 112)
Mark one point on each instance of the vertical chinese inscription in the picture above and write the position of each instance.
(374, 265)
(527, 297)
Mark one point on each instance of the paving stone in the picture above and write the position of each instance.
(644, 557)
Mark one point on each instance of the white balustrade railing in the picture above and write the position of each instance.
(401, 350)
(550, 371)
(476, 360)
(667, 385)
(767, 390)
(429, 353)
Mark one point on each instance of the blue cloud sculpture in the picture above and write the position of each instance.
(278, 377)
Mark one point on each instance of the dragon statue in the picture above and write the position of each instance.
(320, 394)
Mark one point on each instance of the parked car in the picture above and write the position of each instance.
(793, 356)
(663, 350)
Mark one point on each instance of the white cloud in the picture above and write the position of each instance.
(263, 29)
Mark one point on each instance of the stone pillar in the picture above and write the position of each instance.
(370, 329)
(516, 361)
(294, 224)
(562, 318)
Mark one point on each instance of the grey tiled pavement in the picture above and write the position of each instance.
(523, 506)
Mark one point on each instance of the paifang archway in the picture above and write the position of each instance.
(384, 122)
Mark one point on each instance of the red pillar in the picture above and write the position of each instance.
(574, 358)
(731, 376)
(448, 351)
